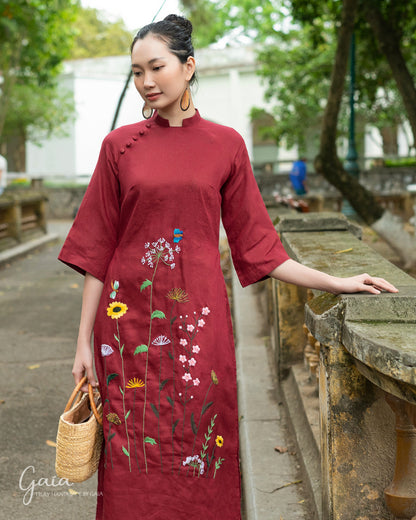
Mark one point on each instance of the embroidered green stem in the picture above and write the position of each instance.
(134, 431)
(203, 410)
(158, 409)
(183, 427)
(121, 348)
(173, 380)
(207, 439)
(147, 362)
(218, 465)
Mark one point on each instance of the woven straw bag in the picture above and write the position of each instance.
(80, 436)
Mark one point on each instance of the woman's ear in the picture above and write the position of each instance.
(190, 67)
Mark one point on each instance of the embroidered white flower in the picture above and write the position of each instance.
(183, 342)
(160, 250)
(195, 349)
(205, 311)
(190, 328)
(192, 362)
(161, 340)
(182, 358)
(196, 382)
(194, 462)
(187, 377)
(201, 323)
(106, 350)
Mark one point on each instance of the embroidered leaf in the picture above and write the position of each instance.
(173, 319)
(150, 441)
(145, 284)
(121, 350)
(205, 408)
(169, 400)
(116, 338)
(113, 295)
(110, 377)
(174, 425)
(163, 384)
(121, 390)
(170, 355)
(141, 348)
(158, 314)
(193, 425)
(127, 415)
(155, 410)
(116, 285)
(106, 400)
(125, 451)
(111, 436)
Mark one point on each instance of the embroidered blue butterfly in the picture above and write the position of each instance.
(177, 235)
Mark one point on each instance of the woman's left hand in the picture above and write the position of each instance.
(363, 283)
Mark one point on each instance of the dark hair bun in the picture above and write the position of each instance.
(184, 23)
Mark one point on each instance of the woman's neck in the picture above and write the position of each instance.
(176, 117)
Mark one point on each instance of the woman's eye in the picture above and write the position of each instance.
(137, 73)
(157, 68)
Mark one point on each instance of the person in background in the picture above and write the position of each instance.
(298, 176)
(3, 173)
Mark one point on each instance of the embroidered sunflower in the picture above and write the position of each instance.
(178, 295)
(135, 383)
(113, 418)
(116, 310)
(219, 441)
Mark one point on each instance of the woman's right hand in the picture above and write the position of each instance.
(83, 365)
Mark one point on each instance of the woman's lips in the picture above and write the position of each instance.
(153, 97)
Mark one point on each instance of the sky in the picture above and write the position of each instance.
(134, 13)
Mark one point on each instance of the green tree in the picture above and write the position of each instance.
(98, 37)
(35, 37)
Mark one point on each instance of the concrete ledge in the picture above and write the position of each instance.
(15, 252)
(272, 484)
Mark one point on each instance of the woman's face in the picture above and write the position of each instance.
(159, 76)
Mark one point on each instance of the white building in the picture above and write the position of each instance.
(227, 89)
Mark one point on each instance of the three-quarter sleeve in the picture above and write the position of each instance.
(92, 239)
(255, 246)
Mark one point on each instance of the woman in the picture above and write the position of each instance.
(146, 238)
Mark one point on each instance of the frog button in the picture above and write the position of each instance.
(122, 150)
(148, 125)
(141, 132)
(128, 145)
(134, 137)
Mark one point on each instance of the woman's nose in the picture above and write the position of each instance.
(148, 80)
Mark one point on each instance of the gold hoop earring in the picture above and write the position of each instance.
(185, 100)
(147, 112)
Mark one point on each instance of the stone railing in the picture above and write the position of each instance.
(22, 217)
(362, 349)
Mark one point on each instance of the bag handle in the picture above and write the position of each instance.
(91, 397)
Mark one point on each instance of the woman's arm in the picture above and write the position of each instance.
(83, 363)
(298, 274)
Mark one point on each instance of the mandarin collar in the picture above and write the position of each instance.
(189, 121)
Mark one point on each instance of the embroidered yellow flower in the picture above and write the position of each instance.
(178, 295)
(214, 377)
(219, 441)
(135, 383)
(113, 418)
(116, 309)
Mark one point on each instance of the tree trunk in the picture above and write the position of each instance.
(390, 142)
(328, 164)
(389, 42)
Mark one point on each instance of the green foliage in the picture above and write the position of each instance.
(96, 36)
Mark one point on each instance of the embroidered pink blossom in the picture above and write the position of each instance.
(192, 362)
(187, 377)
(183, 342)
(205, 311)
(106, 350)
(190, 328)
(182, 358)
(195, 349)
(201, 323)
(196, 382)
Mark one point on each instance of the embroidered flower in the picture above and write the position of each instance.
(192, 362)
(201, 323)
(194, 462)
(219, 441)
(116, 310)
(161, 340)
(106, 350)
(183, 342)
(135, 383)
(178, 295)
(160, 250)
(196, 382)
(205, 311)
(182, 358)
(187, 377)
(190, 328)
(113, 418)
(195, 349)
(214, 377)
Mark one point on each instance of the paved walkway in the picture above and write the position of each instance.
(40, 305)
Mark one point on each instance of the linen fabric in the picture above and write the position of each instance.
(148, 228)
